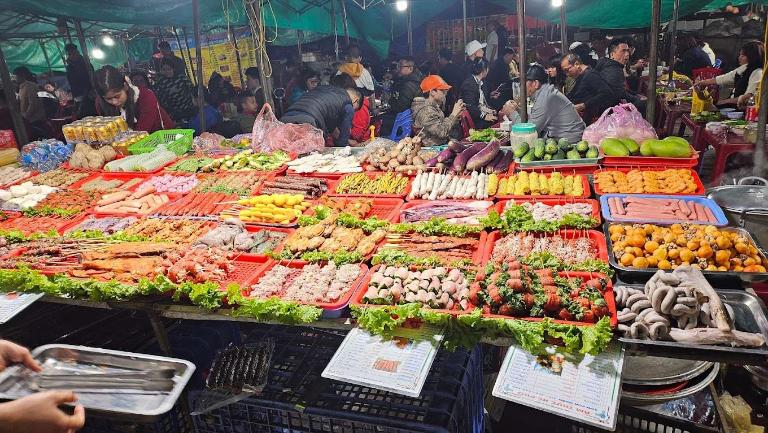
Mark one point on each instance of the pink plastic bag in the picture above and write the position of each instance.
(621, 121)
(269, 134)
(265, 122)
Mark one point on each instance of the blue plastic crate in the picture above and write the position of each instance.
(298, 400)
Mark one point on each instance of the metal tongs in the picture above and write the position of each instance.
(152, 380)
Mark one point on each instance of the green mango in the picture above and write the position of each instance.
(538, 151)
(582, 146)
(645, 148)
(631, 145)
(613, 147)
(592, 152)
(521, 150)
(573, 154)
(671, 147)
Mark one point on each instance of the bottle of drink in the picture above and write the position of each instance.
(750, 113)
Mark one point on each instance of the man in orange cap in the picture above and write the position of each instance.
(428, 114)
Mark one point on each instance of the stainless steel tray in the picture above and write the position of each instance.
(653, 370)
(702, 382)
(714, 277)
(17, 382)
(750, 317)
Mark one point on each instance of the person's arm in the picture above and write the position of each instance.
(726, 79)
(538, 115)
(437, 126)
(346, 126)
(147, 112)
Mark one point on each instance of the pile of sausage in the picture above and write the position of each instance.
(645, 208)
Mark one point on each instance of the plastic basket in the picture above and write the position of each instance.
(178, 141)
(699, 186)
(450, 402)
(553, 202)
(246, 268)
(597, 237)
(654, 219)
(172, 422)
(584, 183)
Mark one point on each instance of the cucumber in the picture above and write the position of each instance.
(559, 155)
(528, 157)
(538, 151)
(521, 150)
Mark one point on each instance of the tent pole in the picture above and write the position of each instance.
(181, 50)
(563, 29)
(410, 33)
(298, 41)
(523, 63)
(653, 61)
(672, 41)
(344, 23)
(189, 54)
(47, 60)
(13, 103)
(84, 49)
(127, 54)
(762, 115)
(464, 20)
(333, 24)
(237, 57)
(199, 53)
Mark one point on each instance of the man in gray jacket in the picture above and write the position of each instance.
(552, 113)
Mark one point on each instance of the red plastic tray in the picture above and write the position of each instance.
(88, 216)
(608, 295)
(125, 177)
(202, 176)
(651, 161)
(594, 235)
(290, 172)
(412, 203)
(563, 169)
(246, 267)
(477, 256)
(333, 182)
(584, 182)
(700, 190)
(58, 224)
(387, 209)
(555, 201)
(341, 303)
(175, 198)
(357, 299)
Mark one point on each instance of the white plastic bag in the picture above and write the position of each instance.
(621, 121)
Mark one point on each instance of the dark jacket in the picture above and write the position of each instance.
(499, 75)
(693, 58)
(470, 94)
(613, 74)
(594, 92)
(404, 90)
(329, 107)
(77, 75)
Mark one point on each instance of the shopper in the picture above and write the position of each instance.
(496, 40)
(30, 105)
(498, 77)
(476, 98)
(556, 75)
(138, 106)
(362, 119)
(450, 73)
(428, 117)
(611, 68)
(743, 79)
(36, 413)
(179, 67)
(590, 94)
(355, 69)
(474, 51)
(253, 84)
(690, 56)
(220, 90)
(583, 51)
(707, 49)
(248, 108)
(404, 89)
(211, 114)
(175, 92)
(552, 113)
(309, 80)
(77, 73)
(329, 109)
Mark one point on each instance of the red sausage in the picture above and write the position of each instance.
(710, 215)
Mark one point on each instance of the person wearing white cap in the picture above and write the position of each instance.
(475, 50)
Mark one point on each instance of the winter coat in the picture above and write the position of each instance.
(435, 127)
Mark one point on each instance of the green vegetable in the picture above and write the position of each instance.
(517, 219)
(50, 211)
(369, 225)
(521, 150)
(487, 134)
(592, 152)
(528, 157)
(436, 227)
(538, 151)
(551, 148)
(613, 147)
(631, 145)
(573, 154)
(582, 146)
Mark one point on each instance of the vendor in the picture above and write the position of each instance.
(138, 106)
(552, 112)
(329, 109)
(745, 78)
(474, 95)
(31, 106)
(428, 114)
(309, 80)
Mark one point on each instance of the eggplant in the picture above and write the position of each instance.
(457, 147)
(445, 155)
(463, 158)
(484, 156)
(503, 165)
(431, 162)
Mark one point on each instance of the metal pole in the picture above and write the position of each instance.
(335, 36)
(759, 156)
(45, 54)
(237, 57)
(653, 61)
(344, 23)
(127, 54)
(181, 50)
(523, 63)
(84, 49)
(672, 42)
(563, 29)
(199, 54)
(13, 103)
(299, 34)
(410, 33)
(189, 54)
(464, 20)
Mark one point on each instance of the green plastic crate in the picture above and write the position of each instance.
(178, 141)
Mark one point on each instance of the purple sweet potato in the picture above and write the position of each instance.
(431, 162)
(503, 165)
(457, 147)
(484, 156)
(463, 158)
(489, 167)
(445, 155)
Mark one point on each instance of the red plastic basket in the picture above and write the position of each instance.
(477, 256)
(555, 201)
(189, 199)
(357, 299)
(41, 224)
(124, 177)
(330, 176)
(341, 303)
(387, 209)
(597, 237)
(700, 190)
(563, 169)
(334, 182)
(171, 199)
(584, 182)
(651, 161)
(607, 295)
(203, 176)
(246, 268)
(412, 203)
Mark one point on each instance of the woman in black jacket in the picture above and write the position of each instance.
(475, 96)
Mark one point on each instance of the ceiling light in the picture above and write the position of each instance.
(97, 53)
(401, 5)
(107, 41)
(557, 3)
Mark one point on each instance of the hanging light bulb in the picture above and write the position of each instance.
(107, 41)
(557, 3)
(97, 53)
(401, 5)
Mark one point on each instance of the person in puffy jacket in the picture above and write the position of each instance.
(404, 90)
(328, 108)
(612, 68)
(428, 114)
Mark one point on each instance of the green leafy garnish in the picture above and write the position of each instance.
(517, 219)
(545, 259)
(398, 257)
(368, 225)
(436, 227)
(49, 211)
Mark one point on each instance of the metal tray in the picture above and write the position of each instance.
(17, 382)
(750, 315)
(699, 383)
(654, 370)
(716, 278)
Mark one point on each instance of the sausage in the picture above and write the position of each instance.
(710, 214)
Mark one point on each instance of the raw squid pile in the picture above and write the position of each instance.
(312, 283)
(440, 288)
